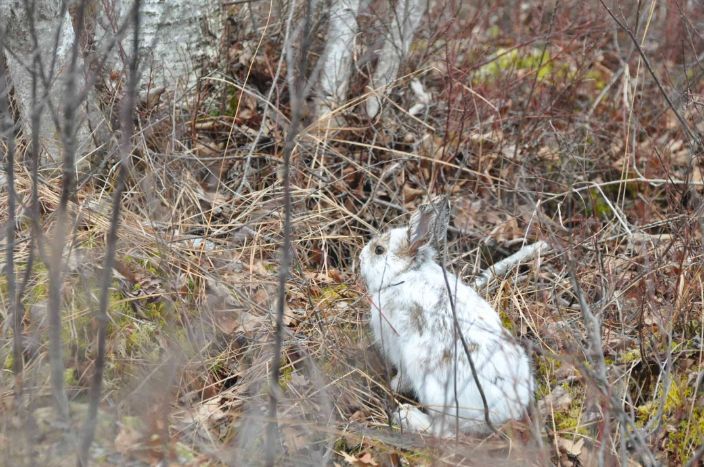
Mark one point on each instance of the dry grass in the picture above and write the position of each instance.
(543, 126)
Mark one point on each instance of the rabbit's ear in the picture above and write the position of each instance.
(428, 224)
(441, 207)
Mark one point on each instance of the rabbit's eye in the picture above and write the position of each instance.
(379, 250)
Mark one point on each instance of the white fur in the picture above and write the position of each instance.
(412, 322)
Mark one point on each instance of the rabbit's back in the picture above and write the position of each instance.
(417, 334)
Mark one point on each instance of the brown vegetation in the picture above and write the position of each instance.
(545, 124)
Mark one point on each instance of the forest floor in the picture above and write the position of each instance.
(542, 124)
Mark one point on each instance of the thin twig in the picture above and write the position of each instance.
(296, 100)
(7, 132)
(56, 262)
(465, 346)
(127, 125)
(265, 115)
(694, 139)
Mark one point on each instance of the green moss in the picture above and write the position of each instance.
(332, 293)
(631, 356)
(151, 267)
(545, 368)
(597, 77)
(141, 339)
(9, 361)
(155, 311)
(494, 32)
(569, 420)
(286, 375)
(535, 59)
(687, 437)
(219, 365)
(39, 292)
(233, 102)
(506, 320)
(70, 377)
(184, 454)
(687, 432)
(600, 207)
(3, 288)
(120, 311)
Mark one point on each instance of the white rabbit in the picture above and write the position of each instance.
(414, 326)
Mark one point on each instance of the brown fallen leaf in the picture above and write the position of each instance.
(358, 416)
(366, 459)
(558, 399)
(127, 439)
(573, 449)
(360, 461)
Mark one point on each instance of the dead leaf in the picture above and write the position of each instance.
(573, 449)
(127, 439)
(558, 399)
(298, 379)
(485, 141)
(351, 460)
(506, 231)
(366, 459)
(209, 412)
(431, 146)
(358, 416)
(261, 296)
(293, 316)
(226, 323)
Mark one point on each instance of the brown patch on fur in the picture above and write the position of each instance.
(405, 250)
(471, 346)
(417, 318)
(446, 358)
(444, 302)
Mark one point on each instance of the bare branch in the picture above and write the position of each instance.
(7, 132)
(295, 88)
(127, 126)
(501, 268)
(695, 140)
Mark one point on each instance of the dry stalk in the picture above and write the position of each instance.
(128, 105)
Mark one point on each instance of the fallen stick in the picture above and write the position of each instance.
(505, 265)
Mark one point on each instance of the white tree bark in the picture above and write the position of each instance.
(406, 19)
(337, 57)
(176, 38)
(49, 37)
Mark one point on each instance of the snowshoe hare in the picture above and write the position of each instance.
(417, 331)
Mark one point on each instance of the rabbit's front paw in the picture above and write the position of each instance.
(411, 418)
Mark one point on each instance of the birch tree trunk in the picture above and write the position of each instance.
(402, 27)
(337, 59)
(38, 49)
(177, 38)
